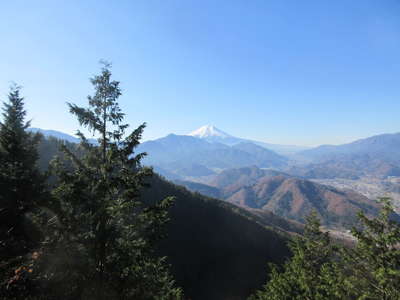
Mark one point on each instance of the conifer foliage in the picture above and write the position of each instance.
(376, 256)
(103, 237)
(321, 269)
(307, 273)
(21, 186)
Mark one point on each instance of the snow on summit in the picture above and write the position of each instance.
(209, 131)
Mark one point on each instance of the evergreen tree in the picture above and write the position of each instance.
(22, 188)
(104, 237)
(374, 264)
(310, 272)
(319, 270)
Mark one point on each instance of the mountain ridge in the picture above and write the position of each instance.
(213, 134)
(376, 156)
(178, 152)
(286, 196)
(386, 143)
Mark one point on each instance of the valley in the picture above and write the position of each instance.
(371, 187)
(335, 181)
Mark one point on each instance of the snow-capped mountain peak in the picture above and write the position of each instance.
(209, 131)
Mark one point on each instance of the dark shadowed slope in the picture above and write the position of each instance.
(215, 250)
(203, 189)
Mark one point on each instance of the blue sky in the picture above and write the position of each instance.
(288, 72)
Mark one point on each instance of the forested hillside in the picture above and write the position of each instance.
(216, 250)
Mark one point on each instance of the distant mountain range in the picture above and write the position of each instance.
(185, 156)
(384, 145)
(208, 132)
(252, 176)
(376, 156)
(212, 134)
(58, 135)
(199, 154)
(209, 150)
(285, 196)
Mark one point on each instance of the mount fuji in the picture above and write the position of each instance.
(209, 131)
(212, 134)
(205, 151)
